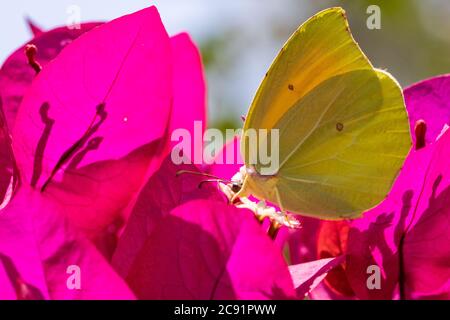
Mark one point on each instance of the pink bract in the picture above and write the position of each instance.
(162, 193)
(16, 75)
(97, 98)
(37, 247)
(307, 276)
(83, 164)
(407, 235)
(94, 123)
(210, 250)
(428, 101)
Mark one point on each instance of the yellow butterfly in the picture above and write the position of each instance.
(342, 124)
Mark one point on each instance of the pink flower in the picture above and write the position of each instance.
(92, 127)
(189, 243)
(37, 249)
(320, 239)
(406, 236)
(16, 75)
(209, 250)
(428, 101)
(94, 207)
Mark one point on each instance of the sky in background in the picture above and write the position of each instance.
(203, 19)
(192, 16)
(240, 38)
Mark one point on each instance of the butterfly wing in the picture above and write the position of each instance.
(342, 141)
(341, 147)
(321, 48)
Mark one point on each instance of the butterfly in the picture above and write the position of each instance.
(342, 125)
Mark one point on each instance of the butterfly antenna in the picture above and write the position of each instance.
(200, 185)
(196, 173)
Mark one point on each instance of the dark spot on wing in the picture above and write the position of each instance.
(339, 126)
(291, 87)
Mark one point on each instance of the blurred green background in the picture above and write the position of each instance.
(240, 38)
(412, 44)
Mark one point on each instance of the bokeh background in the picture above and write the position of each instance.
(240, 38)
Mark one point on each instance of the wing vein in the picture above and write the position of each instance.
(316, 125)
